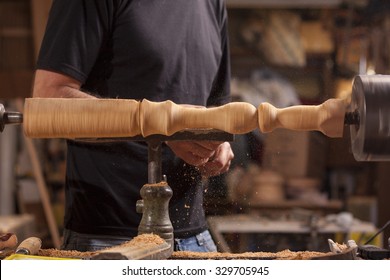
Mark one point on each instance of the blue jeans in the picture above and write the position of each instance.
(202, 242)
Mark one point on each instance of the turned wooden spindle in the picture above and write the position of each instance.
(109, 118)
(80, 118)
(327, 117)
(166, 117)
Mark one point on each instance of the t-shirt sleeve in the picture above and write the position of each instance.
(75, 32)
(220, 92)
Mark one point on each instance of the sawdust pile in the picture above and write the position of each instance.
(55, 253)
(160, 184)
(282, 255)
(143, 240)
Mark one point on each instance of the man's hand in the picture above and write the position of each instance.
(212, 158)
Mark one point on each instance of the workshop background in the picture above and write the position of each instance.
(285, 190)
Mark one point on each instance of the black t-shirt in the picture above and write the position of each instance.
(155, 49)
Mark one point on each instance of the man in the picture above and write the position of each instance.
(155, 49)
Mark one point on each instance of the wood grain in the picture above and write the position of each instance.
(80, 118)
(100, 118)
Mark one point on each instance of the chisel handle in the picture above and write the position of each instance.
(29, 246)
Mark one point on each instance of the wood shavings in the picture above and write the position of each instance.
(146, 238)
(143, 240)
(160, 184)
(55, 253)
(282, 255)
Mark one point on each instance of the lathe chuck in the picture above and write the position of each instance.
(370, 137)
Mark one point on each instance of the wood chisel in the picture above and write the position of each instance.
(29, 246)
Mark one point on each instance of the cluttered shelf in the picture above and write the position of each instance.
(313, 229)
(282, 45)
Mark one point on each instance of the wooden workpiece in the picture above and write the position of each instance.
(80, 118)
(327, 117)
(100, 118)
(166, 117)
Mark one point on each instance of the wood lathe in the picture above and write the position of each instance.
(368, 116)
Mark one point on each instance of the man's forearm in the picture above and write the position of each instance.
(49, 84)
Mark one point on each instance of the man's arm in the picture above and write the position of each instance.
(55, 85)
